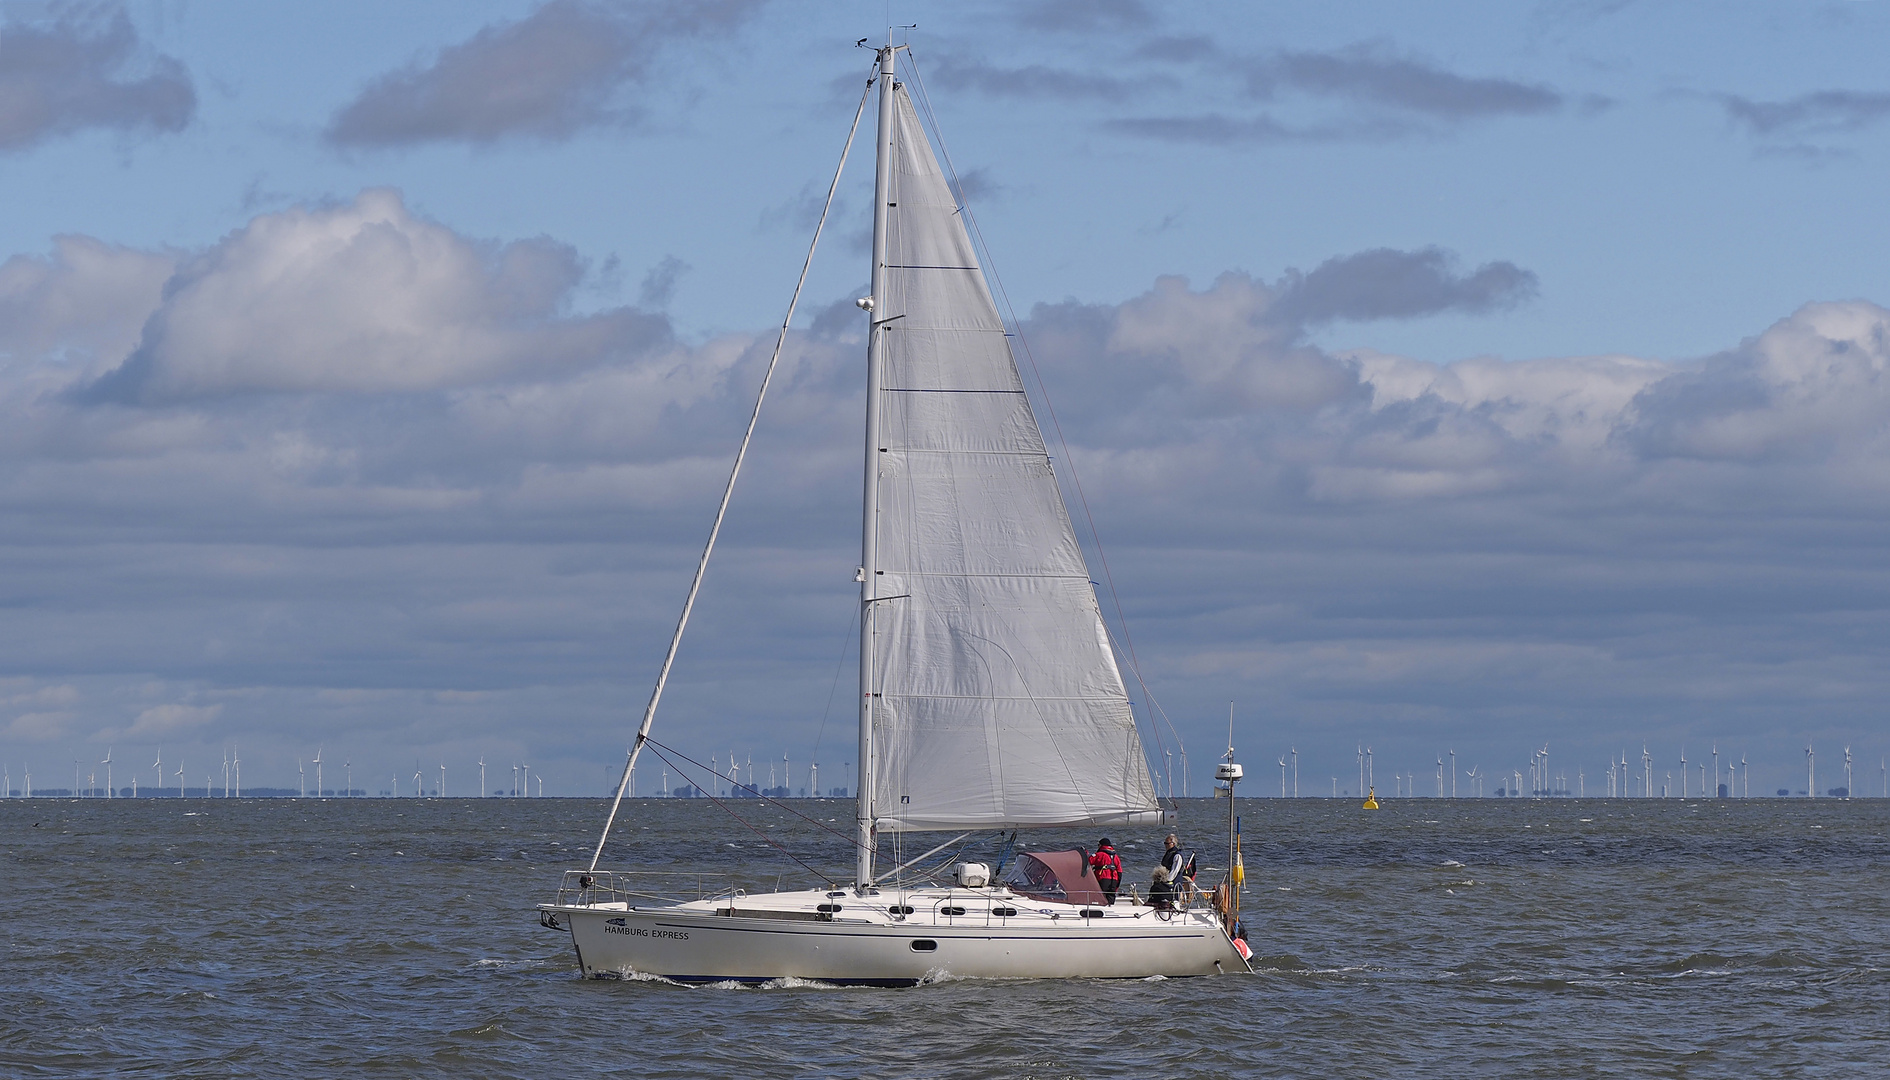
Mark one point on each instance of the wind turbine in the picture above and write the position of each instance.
(348, 764)
(301, 773)
(180, 781)
(108, 771)
(1747, 769)
(442, 779)
(1546, 782)
(1714, 794)
(1282, 776)
(416, 783)
(515, 779)
(1647, 773)
(1440, 777)
(1683, 772)
(1811, 773)
(1847, 772)
(1453, 774)
(159, 766)
(528, 780)
(318, 771)
(482, 776)
(1294, 751)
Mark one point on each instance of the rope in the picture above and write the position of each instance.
(728, 492)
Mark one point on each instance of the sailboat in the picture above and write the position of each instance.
(990, 698)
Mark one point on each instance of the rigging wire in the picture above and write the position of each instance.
(852, 620)
(1135, 666)
(735, 782)
(655, 749)
(728, 492)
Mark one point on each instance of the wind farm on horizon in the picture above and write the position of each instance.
(1623, 775)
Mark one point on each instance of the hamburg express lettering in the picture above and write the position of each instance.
(645, 932)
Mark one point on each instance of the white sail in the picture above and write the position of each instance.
(999, 700)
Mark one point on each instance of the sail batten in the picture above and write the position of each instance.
(997, 699)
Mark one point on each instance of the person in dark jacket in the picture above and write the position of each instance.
(1107, 866)
(1177, 866)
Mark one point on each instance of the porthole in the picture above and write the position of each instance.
(901, 909)
(924, 945)
(951, 909)
(828, 908)
(1092, 913)
(1004, 912)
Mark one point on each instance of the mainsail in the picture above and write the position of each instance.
(997, 700)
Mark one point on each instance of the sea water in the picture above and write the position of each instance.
(397, 937)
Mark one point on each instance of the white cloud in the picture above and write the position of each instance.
(364, 298)
(170, 720)
(375, 474)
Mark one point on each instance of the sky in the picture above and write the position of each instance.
(1457, 377)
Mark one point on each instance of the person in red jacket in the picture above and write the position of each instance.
(1107, 866)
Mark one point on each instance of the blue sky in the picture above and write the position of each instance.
(1468, 376)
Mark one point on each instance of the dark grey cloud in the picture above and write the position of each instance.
(1371, 75)
(1821, 113)
(549, 75)
(1361, 93)
(1219, 129)
(659, 285)
(1039, 81)
(86, 69)
(1084, 16)
(1388, 284)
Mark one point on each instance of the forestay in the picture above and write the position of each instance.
(999, 700)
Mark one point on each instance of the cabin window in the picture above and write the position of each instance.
(1005, 912)
(951, 909)
(924, 945)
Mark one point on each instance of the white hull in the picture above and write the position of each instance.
(870, 940)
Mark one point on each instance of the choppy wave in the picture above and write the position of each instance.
(377, 938)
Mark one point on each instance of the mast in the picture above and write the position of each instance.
(868, 840)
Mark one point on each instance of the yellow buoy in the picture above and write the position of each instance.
(1371, 799)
